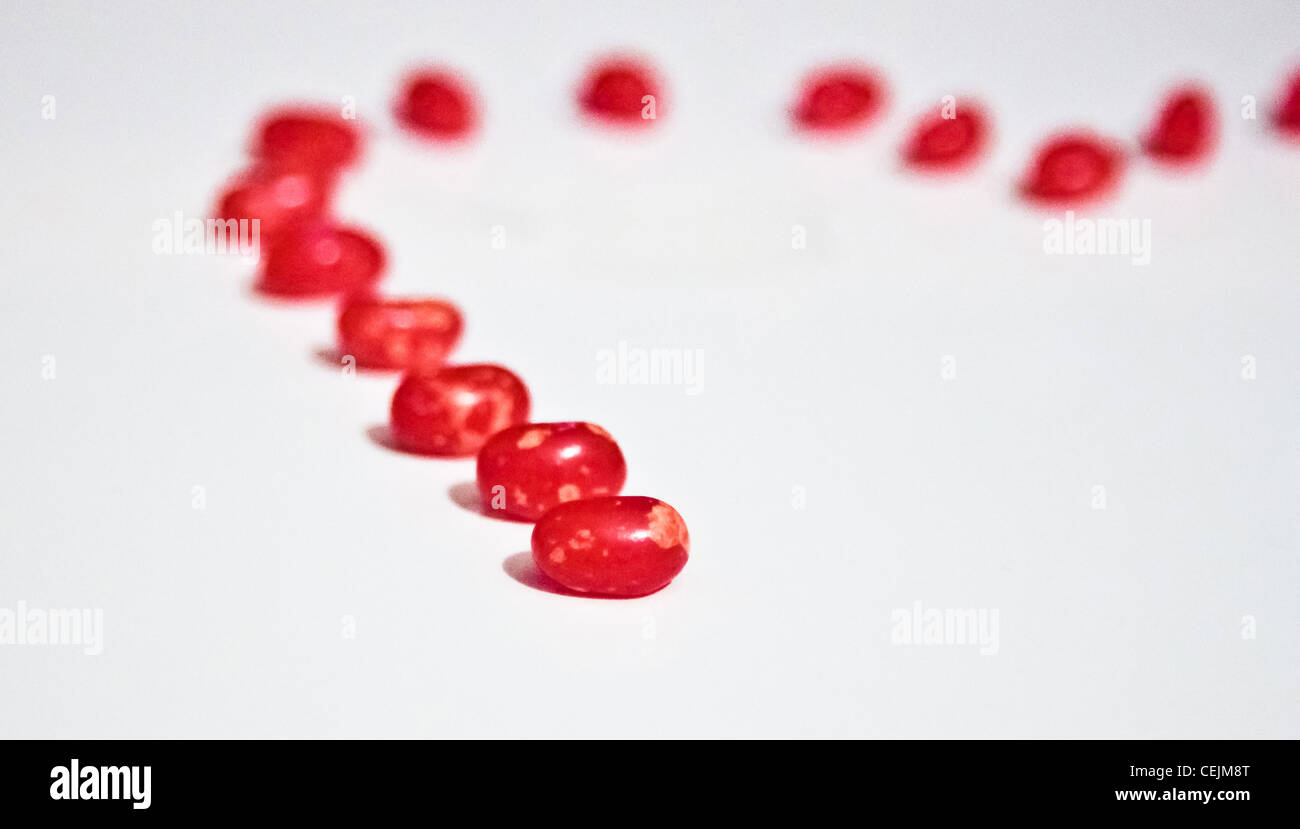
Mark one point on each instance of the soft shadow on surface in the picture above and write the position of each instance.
(521, 568)
(382, 436)
(331, 357)
(466, 496)
(293, 302)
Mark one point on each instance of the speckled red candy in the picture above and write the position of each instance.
(453, 411)
(623, 91)
(612, 546)
(523, 471)
(437, 104)
(1186, 128)
(839, 99)
(277, 197)
(948, 140)
(398, 333)
(307, 138)
(1073, 168)
(320, 259)
(1287, 115)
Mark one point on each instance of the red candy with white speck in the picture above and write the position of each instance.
(320, 259)
(526, 470)
(414, 334)
(943, 141)
(437, 104)
(277, 198)
(1186, 129)
(1287, 115)
(453, 411)
(839, 98)
(622, 91)
(307, 138)
(611, 546)
(1073, 168)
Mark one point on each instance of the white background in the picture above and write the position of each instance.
(821, 370)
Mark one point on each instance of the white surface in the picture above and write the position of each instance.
(822, 370)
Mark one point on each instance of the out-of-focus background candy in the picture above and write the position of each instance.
(916, 409)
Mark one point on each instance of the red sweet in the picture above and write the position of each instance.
(623, 91)
(307, 139)
(1073, 167)
(525, 470)
(612, 545)
(436, 104)
(1186, 129)
(398, 333)
(1287, 116)
(276, 197)
(453, 411)
(948, 140)
(839, 98)
(320, 259)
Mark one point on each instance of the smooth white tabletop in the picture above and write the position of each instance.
(940, 396)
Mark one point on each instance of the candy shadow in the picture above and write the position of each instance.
(522, 569)
(331, 357)
(293, 301)
(466, 496)
(328, 356)
(382, 436)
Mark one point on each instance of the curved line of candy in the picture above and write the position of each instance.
(931, 133)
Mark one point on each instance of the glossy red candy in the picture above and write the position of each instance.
(454, 411)
(525, 470)
(626, 545)
(839, 98)
(940, 143)
(1186, 129)
(307, 139)
(622, 91)
(436, 104)
(320, 259)
(276, 197)
(1072, 168)
(413, 334)
(1287, 115)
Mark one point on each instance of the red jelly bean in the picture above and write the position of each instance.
(839, 98)
(277, 198)
(622, 91)
(454, 411)
(1073, 167)
(525, 470)
(1185, 130)
(308, 139)
(436, 104)
(320, 259)
(613, 545)
(387, 333)
(945, 141)
(1287, 116)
